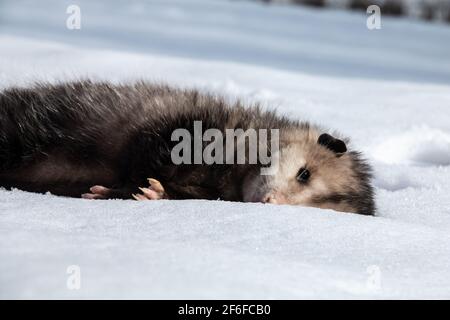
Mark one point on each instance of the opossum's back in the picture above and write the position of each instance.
(79, 117)
(55, 109)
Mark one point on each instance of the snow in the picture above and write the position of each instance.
(420, 145)
(388, 89)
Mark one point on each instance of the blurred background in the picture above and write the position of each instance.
(328, 37)
(429, 10)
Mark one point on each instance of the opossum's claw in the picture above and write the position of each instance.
(150, 194)
(154, 192)
(97, 192)
(139, 197)
(156, 185)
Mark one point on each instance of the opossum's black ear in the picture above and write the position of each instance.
(335, 145)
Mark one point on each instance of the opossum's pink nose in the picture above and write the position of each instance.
(275, 198)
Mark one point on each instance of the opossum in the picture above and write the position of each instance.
(98, 140)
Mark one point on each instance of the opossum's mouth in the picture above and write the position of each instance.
(266, 196)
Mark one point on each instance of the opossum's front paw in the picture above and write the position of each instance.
(154, 192)
(97, 192)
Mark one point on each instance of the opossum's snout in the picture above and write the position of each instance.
(278, 197)
(274, 197)
(318, 172)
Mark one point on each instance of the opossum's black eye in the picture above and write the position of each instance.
(303, 175)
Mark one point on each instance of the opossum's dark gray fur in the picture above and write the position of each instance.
(68, 137)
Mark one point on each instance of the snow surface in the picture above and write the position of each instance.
(387, 89)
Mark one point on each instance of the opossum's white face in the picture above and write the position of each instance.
(314, 170)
